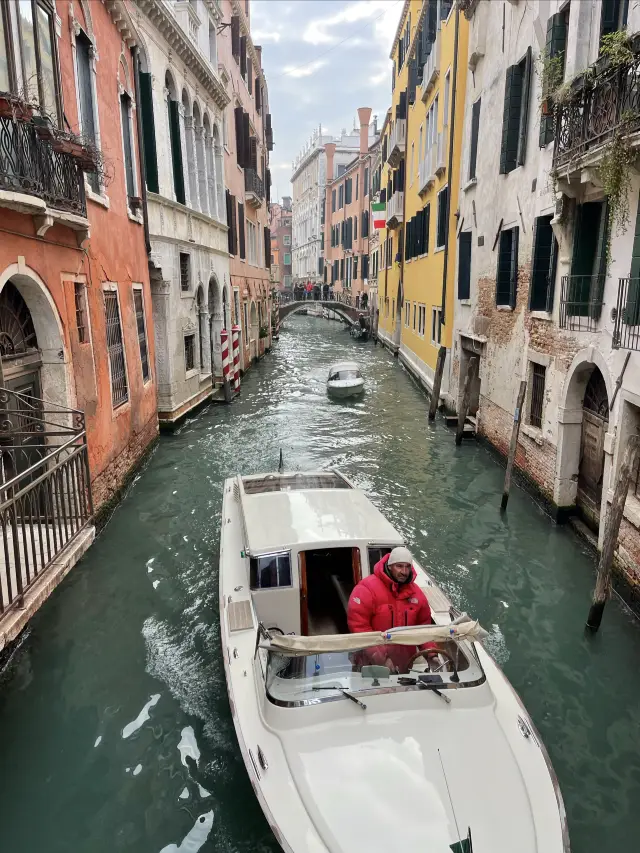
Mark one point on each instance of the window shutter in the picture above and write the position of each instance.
(475, 129)
(524, 116)
(176, 151)
(407, 247)
(355, 227)
(464, 265)
(246, 141)
(365, 216)
(555, 46)
(267, 184)
(553, 263)
(401, 106)
(237, 114)
(253, 153)
(597, 294)
(235, 36)
(513, 277)
(365, 187)
(84, 49)
(250, 76)
(383, 196)
(258, 95)
(511, 119)
(427, 222)
(148, 133)
(232, 219)
(267, 247)
(125, 105)
(243, 55)
(609, 17)
(241, 230)
(413, 80)
(432, 24)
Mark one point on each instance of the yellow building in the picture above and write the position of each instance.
(421, 174)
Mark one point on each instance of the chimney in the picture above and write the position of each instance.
(364, 114)
(330, 150)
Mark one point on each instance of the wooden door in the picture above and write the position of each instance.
(591, 468)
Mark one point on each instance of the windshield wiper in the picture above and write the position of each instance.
(424, 685)
(344, 692)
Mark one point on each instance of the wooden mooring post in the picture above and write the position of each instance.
(611, 531)
(437, 381)
(513, 446)
(472, 370)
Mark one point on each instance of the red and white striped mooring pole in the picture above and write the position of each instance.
(224, 337)
(235, 347)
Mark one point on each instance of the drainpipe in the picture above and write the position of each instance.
(450, 167)
(143, 181)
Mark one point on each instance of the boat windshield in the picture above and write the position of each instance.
(341, 375)
(293, 680)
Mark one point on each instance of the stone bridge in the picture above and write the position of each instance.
(345, 311)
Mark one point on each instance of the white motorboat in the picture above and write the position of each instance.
(349, 757)
(345, 379)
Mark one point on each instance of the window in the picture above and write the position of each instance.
(185, 271)
(88, 118)
(241, 231)
(213, 48)
(252, 249)
(543, 272)
(415, 307)
(286, 240)
(269, 571)
(556, 49)
(613, 16)
(175, 142)
(355, 227)
(232, 221)
(340, 196)
(507, 275)
(435, 326)
(475, 129)
(127, 144)
(538, 372)
(138, 304)
(333, 201)
(422, 319)
(355, 267)
(464, 265)
(189, 352)
(393, 309)
(81, 311)
(341, 170)
(365, 189)
(413, 154)
(447, 95)
(516, 112)
(287, 259)
(148, 132)
(245, 320)
(407, 313)
(588, 263)
(115, 348)
(441, 232)
(357, 185)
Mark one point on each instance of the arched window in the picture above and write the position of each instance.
(217, 156)
(148, 123)
(213, 47)
(200, 158)
(189, 144)
(173, 120)
(211, 178)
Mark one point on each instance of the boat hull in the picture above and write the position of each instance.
(346, 388)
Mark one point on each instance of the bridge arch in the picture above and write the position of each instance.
(349, 314)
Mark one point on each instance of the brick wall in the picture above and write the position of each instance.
(628, 554)
(107, 485)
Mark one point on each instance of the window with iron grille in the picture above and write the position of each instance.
(115, 348)
(185, 272)
(138, 304)
(538, 372)
(81, 312)
(189, 352)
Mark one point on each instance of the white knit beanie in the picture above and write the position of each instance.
(400, 555)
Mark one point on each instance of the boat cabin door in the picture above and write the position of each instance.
(327, 576)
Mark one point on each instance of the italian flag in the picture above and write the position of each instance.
(378, 212)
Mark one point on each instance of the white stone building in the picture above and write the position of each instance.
(308, 181)
(540, 297)
(183, 98)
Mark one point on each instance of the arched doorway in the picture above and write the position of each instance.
(254, 331)
(215, 325)
(595, 422)
(21, 358)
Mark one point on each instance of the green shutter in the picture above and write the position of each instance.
(475, 129)
(176, 151)
(632, 310)
(555, 45)
(524, 112)
(600, 266)
(513, 272)
(464, 265)
(148, 133)
(609, 17)
(511, 119)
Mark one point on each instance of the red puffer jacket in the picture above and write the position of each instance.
(378, 603)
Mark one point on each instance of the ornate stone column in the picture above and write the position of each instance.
(185, 154)
(201, 169)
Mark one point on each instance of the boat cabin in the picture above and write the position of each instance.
(309, 539)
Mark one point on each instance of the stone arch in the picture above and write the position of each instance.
(124, 76)
(170, 85)
(216, 321)
(49, 331)
(143, 54)
(85, 6)
(581, 457)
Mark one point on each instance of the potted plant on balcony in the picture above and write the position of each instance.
(44, 126)
(15, 107)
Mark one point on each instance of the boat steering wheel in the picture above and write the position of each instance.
(422, 653)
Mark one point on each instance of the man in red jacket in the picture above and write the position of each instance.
(389, 598)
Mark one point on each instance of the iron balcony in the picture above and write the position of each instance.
(253, 188)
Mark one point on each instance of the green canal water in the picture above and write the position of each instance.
(115, 731)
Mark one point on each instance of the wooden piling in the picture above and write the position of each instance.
(437, 381)
(472, 370)
(513, 446)
(611, 531)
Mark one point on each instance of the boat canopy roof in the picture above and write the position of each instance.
(463, 628)
(312, 517)
(344, 365)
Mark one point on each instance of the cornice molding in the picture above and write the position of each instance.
(179, 42)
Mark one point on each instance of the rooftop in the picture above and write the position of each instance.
(313, 516)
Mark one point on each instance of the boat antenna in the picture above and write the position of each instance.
(453, 811)
(281, 463)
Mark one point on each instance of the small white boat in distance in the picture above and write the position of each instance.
(349, 757)
(345, 379)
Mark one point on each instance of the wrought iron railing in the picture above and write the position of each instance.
(29, 164)
(626, 324)
(581, 302)
(595, 108)
(253, 183)
(45, 489)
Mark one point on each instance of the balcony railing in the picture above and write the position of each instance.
(395, 208)
(581, 302)
(253, 187)
(427, 168)
(397, 141)
(45, 491)
(431, 69)
(626, 327)
(595, 110)
(29, 165)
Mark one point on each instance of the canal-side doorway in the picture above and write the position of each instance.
(595, 423)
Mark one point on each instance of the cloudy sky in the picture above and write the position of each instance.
(323, 59)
